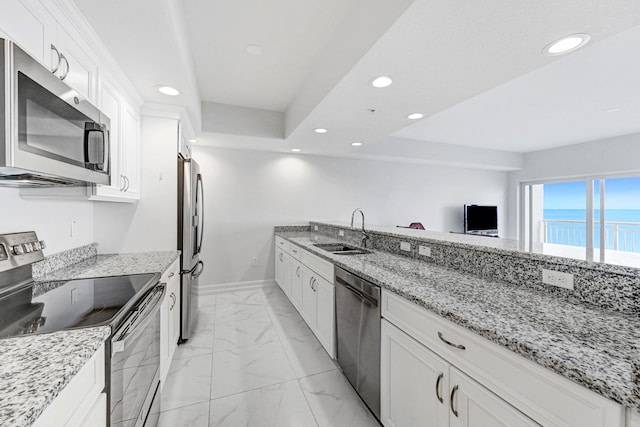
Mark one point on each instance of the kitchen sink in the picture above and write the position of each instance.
(341, 249)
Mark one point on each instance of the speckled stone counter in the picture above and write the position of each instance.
(114, 265)
(34, 369)
(591, 346)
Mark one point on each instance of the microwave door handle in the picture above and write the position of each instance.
(118, 346)
(200, 207)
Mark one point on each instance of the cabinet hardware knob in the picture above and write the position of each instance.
(440, 376)
(66, 71)
(172, 274)
(280, 256)
(298, 271)
(453, 395)
(444, 340)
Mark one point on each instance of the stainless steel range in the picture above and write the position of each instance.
(130, 305)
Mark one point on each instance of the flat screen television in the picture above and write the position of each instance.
(480, 219)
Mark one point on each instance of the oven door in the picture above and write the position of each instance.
(135, 362)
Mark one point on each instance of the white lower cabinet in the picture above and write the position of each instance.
(483, 384)
(297, 282)
(413, 384)
(169, 319)
(307, 280)
(81, 403)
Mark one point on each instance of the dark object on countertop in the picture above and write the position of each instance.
(414, 225)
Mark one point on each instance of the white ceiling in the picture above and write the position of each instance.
(474, 68)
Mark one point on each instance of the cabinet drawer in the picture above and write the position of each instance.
(282, 244)
(317, 264)
(295, 251)
(545, 396)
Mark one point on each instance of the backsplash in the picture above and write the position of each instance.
(62, 259)
(606, 286)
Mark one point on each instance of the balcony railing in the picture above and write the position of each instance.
(619, 236)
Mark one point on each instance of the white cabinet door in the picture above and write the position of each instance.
(308, 307)
(325, 315)
(414, 382)
(30, 26)
(296, 284)
(174, 315)
(131, 152)
(74, 64)
(169, 318)
(280, 267)
(111, 105)
(472, 405)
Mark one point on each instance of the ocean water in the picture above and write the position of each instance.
(622, 237)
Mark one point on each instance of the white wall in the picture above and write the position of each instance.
(151, 223)
(248, 192)
(617, 155)
(49, 218)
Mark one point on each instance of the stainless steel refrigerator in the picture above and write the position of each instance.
(190, 235)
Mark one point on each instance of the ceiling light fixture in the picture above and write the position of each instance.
(320, 130)
(253, 49)
(415, 116)
(356, 144)
(612, 110)
(168, 90)
(566, 44)
(295, 150)
(382, 81)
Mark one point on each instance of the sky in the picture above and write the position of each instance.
(620, 193)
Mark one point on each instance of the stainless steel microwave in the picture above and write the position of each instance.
(50, 135)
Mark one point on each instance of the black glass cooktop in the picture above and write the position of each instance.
(52, 306)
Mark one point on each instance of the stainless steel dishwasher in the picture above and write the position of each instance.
(358, 332)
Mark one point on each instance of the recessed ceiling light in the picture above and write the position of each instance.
(566, 44)
(415, 116)
(168, 90)
(252, 49)
(382, 81)
(320, 130)
(356, 144)
(295, 150)
(192, 140)
(612, 110)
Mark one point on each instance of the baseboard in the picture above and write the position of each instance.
(234, 286)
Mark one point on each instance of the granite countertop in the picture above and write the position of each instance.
(115, 265)
(595, 348)
(36, 368)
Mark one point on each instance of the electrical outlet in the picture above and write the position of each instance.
(315, 228)
(405, 246)
(254, 261)
(341, 233)
(424, 250)
(556, 278)
(74, 295)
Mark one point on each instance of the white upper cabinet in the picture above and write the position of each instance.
(55, 34)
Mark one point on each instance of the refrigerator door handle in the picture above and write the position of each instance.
(200, 211)
(197, 270)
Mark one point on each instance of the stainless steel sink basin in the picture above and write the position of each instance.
(341, 249)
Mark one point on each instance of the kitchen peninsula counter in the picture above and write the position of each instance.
(594, 347)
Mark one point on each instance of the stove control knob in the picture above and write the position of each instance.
(27, 247)
(42, 244)
(17, 250)
(36, 245)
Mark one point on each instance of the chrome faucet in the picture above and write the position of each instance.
(364, 234)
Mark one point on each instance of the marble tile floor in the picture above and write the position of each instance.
(254, 362)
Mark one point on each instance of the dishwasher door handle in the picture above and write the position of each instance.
(366, 298)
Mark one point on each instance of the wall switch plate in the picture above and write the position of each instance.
(424, 250)
(254, 261)
(556, 278)
(405, 246)
(341, 233)
(315, 228)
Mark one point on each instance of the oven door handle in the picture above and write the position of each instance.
(133, 330)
